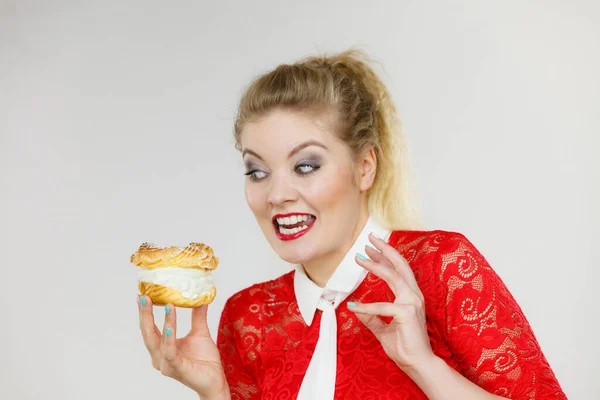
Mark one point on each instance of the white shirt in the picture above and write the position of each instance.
(319, 380)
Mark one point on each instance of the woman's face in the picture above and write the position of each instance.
(302, 185)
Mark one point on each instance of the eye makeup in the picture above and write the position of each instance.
(310, 159)
(308, 165)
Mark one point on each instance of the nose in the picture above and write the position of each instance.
(281, 190)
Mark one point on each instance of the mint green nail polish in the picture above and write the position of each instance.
(143, 301)
(361, 256)
(351, 304)
(168, 332)
(167, 310)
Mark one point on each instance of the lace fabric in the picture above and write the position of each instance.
(474, 325)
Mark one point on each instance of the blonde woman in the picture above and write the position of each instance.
(377, 307)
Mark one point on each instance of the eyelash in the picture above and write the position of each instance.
(312, 167)
(253, 178)
(252, 175)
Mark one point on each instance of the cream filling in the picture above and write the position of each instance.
(191, 282)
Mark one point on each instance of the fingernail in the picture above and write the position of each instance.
(361, 256)
(375, 235)
(371, 247)
(167, 310)
(351, 304)
(143, 301)
(168, 332)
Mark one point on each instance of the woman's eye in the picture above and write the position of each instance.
(256, 175)
(305, 169)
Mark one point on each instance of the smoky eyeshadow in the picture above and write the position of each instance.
(250, 166)
(312, 160)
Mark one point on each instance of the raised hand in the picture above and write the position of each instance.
(405, 338)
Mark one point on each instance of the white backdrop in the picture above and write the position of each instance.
(116, 128)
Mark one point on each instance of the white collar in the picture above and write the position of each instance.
(346, 278)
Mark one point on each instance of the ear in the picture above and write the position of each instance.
(367, 168)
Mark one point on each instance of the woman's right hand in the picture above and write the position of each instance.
(193, 360)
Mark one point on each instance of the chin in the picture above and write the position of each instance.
(298, 251)
(293, 258)
(294, 254)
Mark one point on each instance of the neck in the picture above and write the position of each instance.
(320, 270)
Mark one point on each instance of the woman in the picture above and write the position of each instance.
(376, 308)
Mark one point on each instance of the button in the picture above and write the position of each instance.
(329, 295)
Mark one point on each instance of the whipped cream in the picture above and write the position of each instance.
(191, 282)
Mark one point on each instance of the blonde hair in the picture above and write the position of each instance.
(366, 116)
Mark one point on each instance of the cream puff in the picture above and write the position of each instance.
(181, 276)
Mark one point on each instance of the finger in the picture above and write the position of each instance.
(150, 332)
(403, 292)
(376, 256)
(168, 342)
(372, 322)
(400, 312)
(400, 264)
(379, 258)
(199, 324)
(395, 259)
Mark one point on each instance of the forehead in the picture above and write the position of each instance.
(281, 129)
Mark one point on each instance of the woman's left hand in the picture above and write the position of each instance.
(405, 338)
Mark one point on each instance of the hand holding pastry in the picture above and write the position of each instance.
(180, 277)
(193, 360)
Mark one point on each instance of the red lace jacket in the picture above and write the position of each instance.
(473, 322)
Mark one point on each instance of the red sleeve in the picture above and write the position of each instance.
(242, 383)
(486, 330)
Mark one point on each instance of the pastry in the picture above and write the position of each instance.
(181, 276)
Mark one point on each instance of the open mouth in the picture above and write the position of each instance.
(292, 226)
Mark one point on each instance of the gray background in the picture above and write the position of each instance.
(116, 128)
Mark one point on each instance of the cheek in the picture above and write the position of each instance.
(331, 190)
(254, 198)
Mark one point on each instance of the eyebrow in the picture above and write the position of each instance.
(295, 150)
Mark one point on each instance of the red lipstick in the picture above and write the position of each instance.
(291, 230)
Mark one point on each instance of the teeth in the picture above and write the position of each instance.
(294, 219)
(286, 231)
